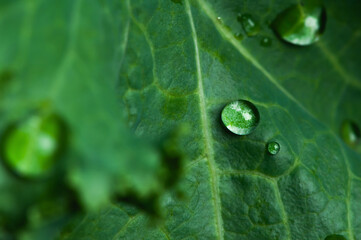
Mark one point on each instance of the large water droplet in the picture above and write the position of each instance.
(350, 133)
(266, 42)
(29, 147)
(335, 237)
(300, 24)
(249, 25)
(240, 117)
(273, 148)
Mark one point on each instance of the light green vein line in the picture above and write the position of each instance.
(195, 163)
(349, 172)
(165, 233)
(247, 55)
(355, 37)
(349, 221)
(123, 47)
(124, 227)
(69, 54)
(336, 64)
(353, 176)
(206, 131)
(247, 173)
(283, 210)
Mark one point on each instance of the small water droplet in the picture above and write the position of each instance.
(29, 147)
(335, 237)
(219, 20)
(350, 133)
(273, 148)
(300, 24)
(177, 1)
(240, 117)
(239, 36)
(266, 42)
(249, 25)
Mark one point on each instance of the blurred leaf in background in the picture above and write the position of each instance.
(62, 58)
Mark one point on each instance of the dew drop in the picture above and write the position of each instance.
(300, 24)
(29, 147)
(335, 237)
(239, 36)
(241, 117)
(350, 133)
(219, 20)
(266, 42)
(249, 25)
(273, 148)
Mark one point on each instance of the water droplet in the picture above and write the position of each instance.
(350, 133)
(177, 1)
(240, 117)
(273, 148)
(29, 147)
(239, 36)
(266, 42)
(249, 25)
(335, 237)
(300, 24)
(219, 20)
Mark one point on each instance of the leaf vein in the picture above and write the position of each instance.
(348, 79)
(205, 130)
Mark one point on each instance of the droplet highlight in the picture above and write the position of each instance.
(29, 147)
(350, 133)
(300, 24)
(335, 237)
(266, 42)
(273, 148)
(240, 117)
(249, 25)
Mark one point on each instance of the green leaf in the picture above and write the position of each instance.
(183, 55)
(63, 56)
(176, 63)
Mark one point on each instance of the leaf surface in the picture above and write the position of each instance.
(183, 64)
(180, 64)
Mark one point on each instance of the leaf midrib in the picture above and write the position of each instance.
(206, 130)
